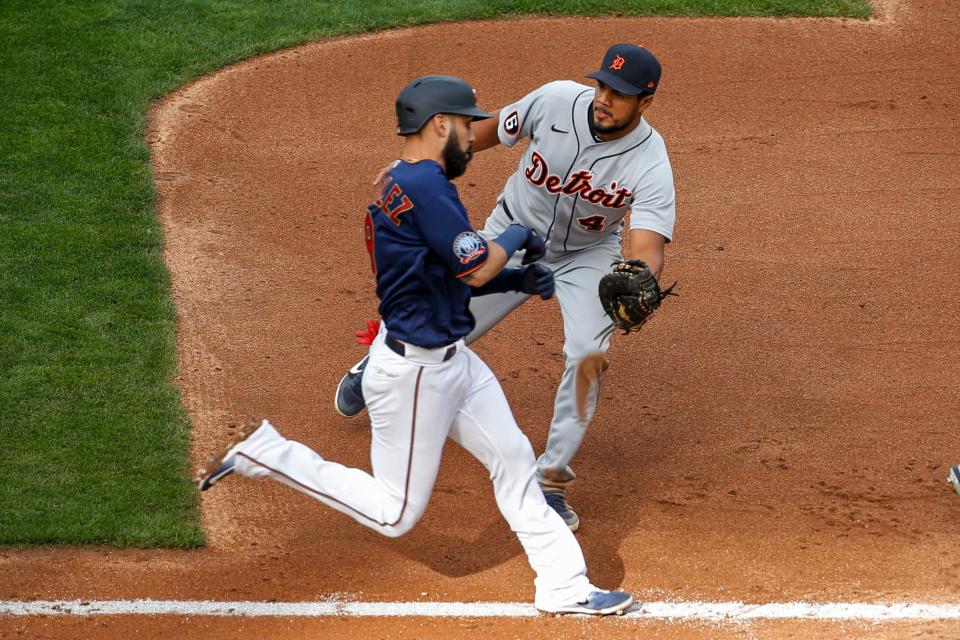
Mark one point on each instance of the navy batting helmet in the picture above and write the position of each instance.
(427, 96)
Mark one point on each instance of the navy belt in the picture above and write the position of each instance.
(506, 209)
(401, 349)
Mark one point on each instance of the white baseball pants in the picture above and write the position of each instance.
(415, 403)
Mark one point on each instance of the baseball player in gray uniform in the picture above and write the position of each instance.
(593, 168)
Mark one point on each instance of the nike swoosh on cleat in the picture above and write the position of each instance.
(553, 127)
(358, 368)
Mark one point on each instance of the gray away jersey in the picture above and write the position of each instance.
(576, 191)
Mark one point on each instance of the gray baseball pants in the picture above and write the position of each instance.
(577, 276)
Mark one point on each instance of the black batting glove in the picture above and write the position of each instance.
(537, 280)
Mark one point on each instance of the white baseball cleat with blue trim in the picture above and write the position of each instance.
(598, 603)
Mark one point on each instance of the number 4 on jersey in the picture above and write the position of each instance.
(593, 223)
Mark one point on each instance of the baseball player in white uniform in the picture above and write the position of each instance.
(422, 382)
(594, 167)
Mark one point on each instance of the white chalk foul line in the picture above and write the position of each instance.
(678, 611)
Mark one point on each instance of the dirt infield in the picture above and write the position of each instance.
(780, 432)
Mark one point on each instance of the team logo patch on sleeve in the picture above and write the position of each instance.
(511, 124)
(468, 246)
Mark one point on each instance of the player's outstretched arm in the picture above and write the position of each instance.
(530, 279)
(514, 238)
(485, 132)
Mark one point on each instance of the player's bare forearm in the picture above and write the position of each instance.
(648, 246)
(485, 132)
(494, 265)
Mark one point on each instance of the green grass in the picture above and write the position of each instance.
(93, 440)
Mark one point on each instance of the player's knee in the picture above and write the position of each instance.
(407, 520)
(401, 528)
(397, 530)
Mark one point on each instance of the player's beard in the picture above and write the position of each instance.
(455, 160)
(612, 128)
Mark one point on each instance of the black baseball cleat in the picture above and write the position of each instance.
(221, 466)
(348, 400)
(598, 603)
(557, 500)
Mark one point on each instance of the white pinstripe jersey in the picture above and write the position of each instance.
(573, 189)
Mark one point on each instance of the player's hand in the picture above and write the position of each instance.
(382, 174)
(537, 280)
(534, 249)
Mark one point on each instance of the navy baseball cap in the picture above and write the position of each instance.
(629, 69)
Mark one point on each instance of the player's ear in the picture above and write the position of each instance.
(645, 102)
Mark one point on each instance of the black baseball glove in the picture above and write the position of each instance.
(630, 294)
